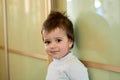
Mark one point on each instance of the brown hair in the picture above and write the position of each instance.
(58, 20)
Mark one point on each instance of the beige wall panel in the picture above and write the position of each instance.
(3, 74)
(24, 21)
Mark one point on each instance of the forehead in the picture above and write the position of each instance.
(55, 32)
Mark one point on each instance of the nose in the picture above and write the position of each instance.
(53, 45)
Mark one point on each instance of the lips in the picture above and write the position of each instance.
(54, 52)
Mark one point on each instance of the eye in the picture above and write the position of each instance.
(47, 42)
(58, 40)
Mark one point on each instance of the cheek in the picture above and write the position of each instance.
(46, 49)
(65, 47)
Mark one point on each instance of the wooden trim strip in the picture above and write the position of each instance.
(101, 66)
(35, 55)
(5, 39)
(46, 8)
(87, 63)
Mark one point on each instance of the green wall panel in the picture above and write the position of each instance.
(97, 29)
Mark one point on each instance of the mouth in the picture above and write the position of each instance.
(54, 52)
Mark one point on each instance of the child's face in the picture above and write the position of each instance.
(57, 44)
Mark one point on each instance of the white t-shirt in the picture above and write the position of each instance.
(67, 68)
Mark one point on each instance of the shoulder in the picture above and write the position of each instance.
(76, 70)
(76, 64)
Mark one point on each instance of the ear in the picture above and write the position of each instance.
(70, 43)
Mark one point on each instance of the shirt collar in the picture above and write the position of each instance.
(68, 56)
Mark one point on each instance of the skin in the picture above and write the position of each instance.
(57, 44)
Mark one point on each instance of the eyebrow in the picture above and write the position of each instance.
(45, 39)
(55, 38)
(59, 37)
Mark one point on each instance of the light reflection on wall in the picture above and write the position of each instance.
(26, 3)
(97, 5)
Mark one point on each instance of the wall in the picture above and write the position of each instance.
(2, 52)
(59, 5)
(24, 21)
(97, 30)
